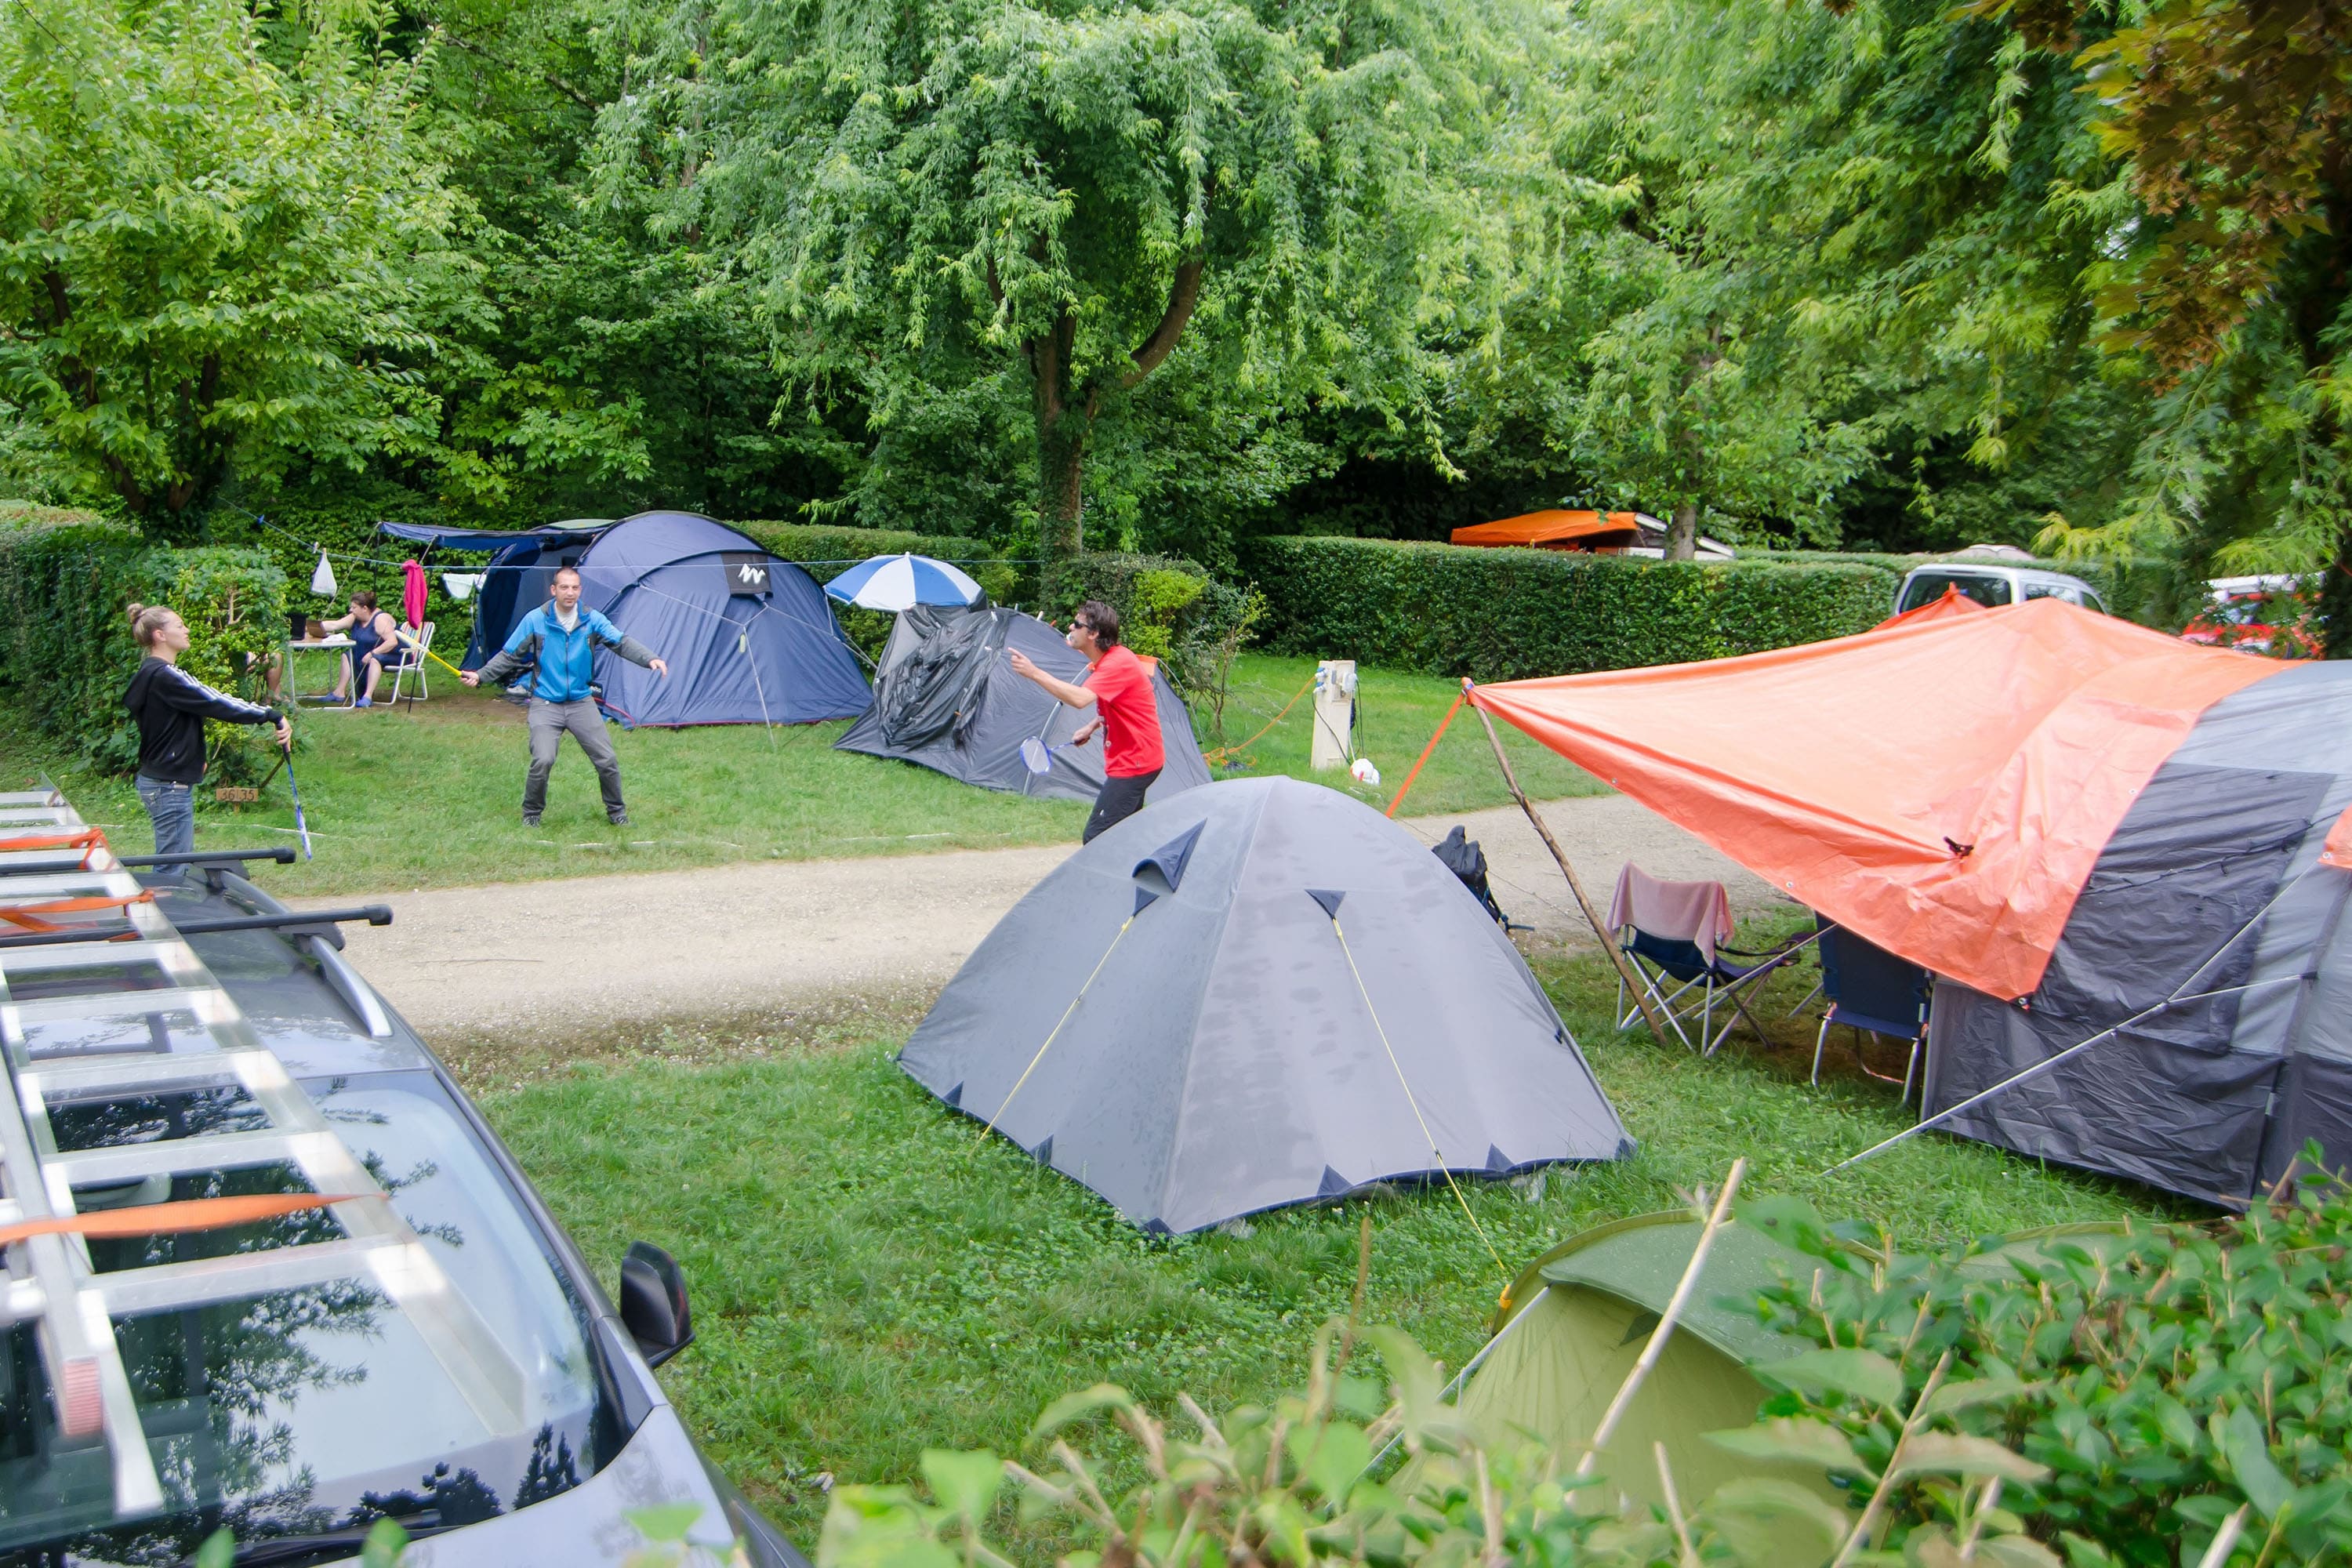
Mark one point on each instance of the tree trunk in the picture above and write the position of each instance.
(1061, 495)
(1682, 532)
(2335, 600)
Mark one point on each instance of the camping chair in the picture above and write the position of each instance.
(414, 664)
(1871, 991)
(1672, 933)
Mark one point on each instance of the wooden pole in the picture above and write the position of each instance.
(1607, 939)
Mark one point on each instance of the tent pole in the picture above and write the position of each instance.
(1608, 942)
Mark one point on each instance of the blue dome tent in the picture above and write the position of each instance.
(749, 639)
(514, 579)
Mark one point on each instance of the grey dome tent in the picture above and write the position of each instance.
(945, 698)
(2213, 940)
(1258, 993)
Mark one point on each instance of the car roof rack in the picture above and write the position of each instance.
(48, 1278)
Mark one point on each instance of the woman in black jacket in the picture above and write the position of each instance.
(171, 707)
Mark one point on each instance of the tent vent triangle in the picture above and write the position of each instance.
(954, 1098)
(1497, 1163)
(1162, 871)
(1328, 899)
(1044, 1152)
(1334, 1184)
(1157, 1227)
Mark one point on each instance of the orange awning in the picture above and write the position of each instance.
(1953, 603)
(1553, 530)
(1942, 788)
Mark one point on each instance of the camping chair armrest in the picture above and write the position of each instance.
(1783, 950)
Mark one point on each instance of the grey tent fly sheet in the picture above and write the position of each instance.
(2211, 935)
(1255, 994)
(945, 697)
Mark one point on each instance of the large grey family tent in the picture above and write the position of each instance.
(2109, 845)
(1255, 994)
(1575, 1321)
(945, 697)
(514, 579)
(749, 639)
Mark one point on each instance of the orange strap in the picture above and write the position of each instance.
(90, 838)
(1425, 752)
(29, 915)
(163, 1219)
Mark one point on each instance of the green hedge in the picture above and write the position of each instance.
(64, 643)
(1504, 615)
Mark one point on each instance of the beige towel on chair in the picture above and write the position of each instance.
(1696, 912)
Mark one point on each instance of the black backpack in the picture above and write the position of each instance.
(1460, 854)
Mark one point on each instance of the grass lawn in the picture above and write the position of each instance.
(403, 798)
(871, 1277)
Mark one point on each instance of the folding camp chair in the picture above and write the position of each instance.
(1672, 935)
(1871, 991)
(414, 654)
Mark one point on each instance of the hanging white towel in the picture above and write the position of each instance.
(323, 581)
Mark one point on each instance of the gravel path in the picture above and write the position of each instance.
(561, 956)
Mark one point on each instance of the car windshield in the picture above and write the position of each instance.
(1927, 585)
(344, 1383)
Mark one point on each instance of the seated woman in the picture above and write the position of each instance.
(375, 648)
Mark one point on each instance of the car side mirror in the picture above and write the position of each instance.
(653, 1303)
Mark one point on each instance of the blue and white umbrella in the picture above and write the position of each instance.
(894, 583)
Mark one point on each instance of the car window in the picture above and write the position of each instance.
(1927, 584)
(333, 1392)
(2052, 590)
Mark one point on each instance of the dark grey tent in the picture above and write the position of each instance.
(946, 697)
(1258, 993)
(2218, 1068)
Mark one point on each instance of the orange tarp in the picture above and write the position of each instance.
(1554, 528)
(1953, 603)
(2337, 851)
(1942, 789)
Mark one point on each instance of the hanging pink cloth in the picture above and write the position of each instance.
(412, 594)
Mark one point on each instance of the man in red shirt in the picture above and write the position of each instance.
(1118, 689)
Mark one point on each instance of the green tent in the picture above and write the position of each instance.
(1578, 1321)
(1574, 1323)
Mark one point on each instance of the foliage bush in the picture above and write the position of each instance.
(1501, 615)
(64, 643)
(2127, 1396)
(2161, 1378)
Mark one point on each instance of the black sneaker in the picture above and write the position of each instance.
(619, 819)
(529, 820)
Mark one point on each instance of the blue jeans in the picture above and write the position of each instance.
(172, 807)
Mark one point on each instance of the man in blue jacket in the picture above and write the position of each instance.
(562, 639)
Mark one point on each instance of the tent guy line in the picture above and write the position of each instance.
(1435, 1154)
(1059, 1025)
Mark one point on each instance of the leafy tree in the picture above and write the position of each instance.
(2228, 288)
(1803, 250)
(1032, 211)
(205, 258)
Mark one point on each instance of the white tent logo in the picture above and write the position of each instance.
(751, 576)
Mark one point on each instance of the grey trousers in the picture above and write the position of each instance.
(549, 722)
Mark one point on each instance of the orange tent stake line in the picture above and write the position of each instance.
(1426, 752)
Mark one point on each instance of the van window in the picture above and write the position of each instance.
(1927, 584)
(2052, 591)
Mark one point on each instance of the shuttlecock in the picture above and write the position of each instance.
(1365, 774)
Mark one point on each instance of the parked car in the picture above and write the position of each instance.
(358, 1309)
(1992, 586)
(2257, 614)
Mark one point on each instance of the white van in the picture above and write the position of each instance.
(1992, 586)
